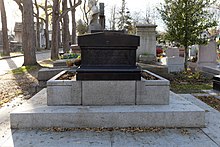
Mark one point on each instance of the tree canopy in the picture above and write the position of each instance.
(186, 20)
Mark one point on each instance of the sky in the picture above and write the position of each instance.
(14, 15)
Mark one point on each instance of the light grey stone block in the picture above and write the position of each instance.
(157, 95)
(63, 92)
(152, 92)
(60, 63)
(180, 113)
(64, 95)
(214, 70)
(108, 92)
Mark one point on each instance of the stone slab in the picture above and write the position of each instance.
(163, 138)
(60, 63)
(108, 92)
(45, 74)
(212, 117)
(181, 112)
(211, 69)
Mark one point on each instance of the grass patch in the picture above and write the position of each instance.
(190, 88)
(23, 69)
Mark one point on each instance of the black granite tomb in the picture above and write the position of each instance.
(216, 82)
(108, 56)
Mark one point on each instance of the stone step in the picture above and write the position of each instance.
(179, 113)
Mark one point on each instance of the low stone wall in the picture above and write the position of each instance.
(72, 92)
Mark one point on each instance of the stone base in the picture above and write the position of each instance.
(215, 70)
(179, 113)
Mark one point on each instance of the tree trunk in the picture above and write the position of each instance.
(55, 31)
(37, 26)
(73, 14)
(47, 26)
(6, 50)
(28, 34)
(65, 28)
(186, 58)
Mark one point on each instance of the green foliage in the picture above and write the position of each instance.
(190, 82)
(69, 56)
(190, 88)
(81, 27)
(186, 20)
(23, 69)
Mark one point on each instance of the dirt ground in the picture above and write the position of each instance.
(13, 85)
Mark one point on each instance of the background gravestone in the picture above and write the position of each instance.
(147, 35)
(172, 51)
(207, 55)
(174, 62)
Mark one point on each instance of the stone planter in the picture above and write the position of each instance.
(72, 92)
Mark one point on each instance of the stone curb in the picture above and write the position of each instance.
(8, 57)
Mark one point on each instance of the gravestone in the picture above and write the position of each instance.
(108, 56)
(174, 62)
(207, 55)
(172, 51)
(147, 46)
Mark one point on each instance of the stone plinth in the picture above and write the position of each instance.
(147, 35)
(180, 113)
(207, 55)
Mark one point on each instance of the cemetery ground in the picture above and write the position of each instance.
(21, 84)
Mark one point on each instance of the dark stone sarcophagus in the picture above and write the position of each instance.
(108, 56)
(216, 82)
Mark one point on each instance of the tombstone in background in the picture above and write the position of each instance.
(147, 49)
(207, 55)
(172, 51)
(193, 51)
(174, 62)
